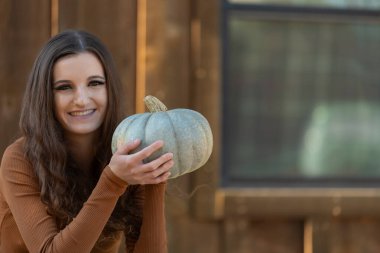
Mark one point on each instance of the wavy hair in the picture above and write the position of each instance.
(64, 188)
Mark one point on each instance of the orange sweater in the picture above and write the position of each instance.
(25, 225)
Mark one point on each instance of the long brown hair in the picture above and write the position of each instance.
(64, 188)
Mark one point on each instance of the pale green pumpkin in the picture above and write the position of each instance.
(186, 133)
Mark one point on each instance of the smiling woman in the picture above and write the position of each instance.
(79, 197)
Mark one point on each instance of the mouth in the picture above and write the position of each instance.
(82, 113)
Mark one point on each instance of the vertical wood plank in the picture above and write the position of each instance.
(191, 235)
(206, 95)
(167, 51)
(349, 235)
(320, 229)
(24, 27)
(141, 55)
(115, 24)
(242, 235)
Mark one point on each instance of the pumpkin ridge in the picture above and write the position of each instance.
(195, 115)
(177, 146)
(207, 132)
(143, 118)
(193, 148)
(122, 128)
(145, 132)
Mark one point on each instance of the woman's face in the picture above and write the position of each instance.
(80, 94)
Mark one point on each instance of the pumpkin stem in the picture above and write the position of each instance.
(154, 104)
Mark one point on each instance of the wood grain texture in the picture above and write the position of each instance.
(355, 235)
(24, 27)
(205, 95)
(264, 236)
(167, 51)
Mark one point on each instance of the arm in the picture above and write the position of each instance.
(153, 231)
(153, 176)
(38, 229)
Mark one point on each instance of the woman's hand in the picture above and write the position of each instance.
(131, 169)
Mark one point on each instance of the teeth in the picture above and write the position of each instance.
(81, 113)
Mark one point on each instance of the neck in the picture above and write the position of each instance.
(82, 148)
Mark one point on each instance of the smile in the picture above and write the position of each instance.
(82, 113)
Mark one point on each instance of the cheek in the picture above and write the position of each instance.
(103, 99)
(59, 103)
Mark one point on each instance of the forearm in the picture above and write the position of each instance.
(153, 231)
(83, 232)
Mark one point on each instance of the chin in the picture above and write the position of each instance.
(83, 131)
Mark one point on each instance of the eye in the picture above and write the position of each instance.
(96, 82)
(62, 87)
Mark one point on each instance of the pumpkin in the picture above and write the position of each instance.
(186, 133)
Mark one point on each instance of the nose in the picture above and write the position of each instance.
(81, 97)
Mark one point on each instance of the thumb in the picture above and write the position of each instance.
(128, 147)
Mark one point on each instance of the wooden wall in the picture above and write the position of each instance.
(24, 26)
(156, 45)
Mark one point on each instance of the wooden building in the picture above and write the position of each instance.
(273, 78)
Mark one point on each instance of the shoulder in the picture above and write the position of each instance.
(18, 144)
(14, 151)
(14, 159)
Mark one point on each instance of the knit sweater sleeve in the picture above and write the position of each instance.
(38, 229)
(153, 238)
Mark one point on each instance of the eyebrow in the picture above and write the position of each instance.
(89, 78)
(61, 81)
(96, 76)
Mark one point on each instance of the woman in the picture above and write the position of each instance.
(61, 189)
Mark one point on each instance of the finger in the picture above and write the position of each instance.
(160, 161)
(149, 150)
(163, 178)
(153, 165)
(126, 148)
(163, 169)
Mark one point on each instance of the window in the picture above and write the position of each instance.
(301, 93)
